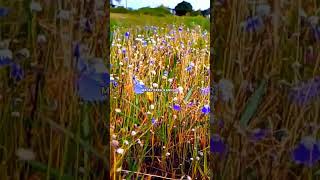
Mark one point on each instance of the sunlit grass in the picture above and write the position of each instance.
(177, 144)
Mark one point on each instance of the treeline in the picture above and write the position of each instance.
(158, 11)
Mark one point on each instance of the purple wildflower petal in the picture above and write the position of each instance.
(177, 107)
(205, 109)
(138, 87)
(258, 135)
(217, 145)
(89, 89)
(4, 11)
(306, 153)
(16, 72)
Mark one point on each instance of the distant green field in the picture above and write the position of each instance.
(127, 20)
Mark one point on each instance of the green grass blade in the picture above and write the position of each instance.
(188, 95)
(252, 105)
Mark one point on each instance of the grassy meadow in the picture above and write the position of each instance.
(267, 60)
(159, 135)
(52, 117)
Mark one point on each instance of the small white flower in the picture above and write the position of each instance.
(167, 154)
(180, 89)
(111, 78)
(155, 85)
(170, 80)
(197, 158)
(152, 106)
(153, 72)
(35, 6)
(149, 113)
(5, 54)
(121, 63)
(226, 89)
(263, 10)
(114, 136)
(119, 169)
(25, 154)
(120, 151)
(118, 110)
(133, 133)
(64, 14)
(24, 52)
(200, 153)
(191, 159)
(175, 99)
(141, 83)
(41, 38)
(126, 142)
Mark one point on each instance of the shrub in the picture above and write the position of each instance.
(158, 11)
(183, 8)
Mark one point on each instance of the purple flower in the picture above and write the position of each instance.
(205, 109)
(93, 76)
(144, 43)
(190, 104)
(252, 24)
(307, 152)
(153, 120)
(127, 34)
(16, 72)
(217, 145)
(89, 89)
(165, 73)
(4, 11)
(305, 92)
(177, 107)
(180, 29)
(258, 134)
(82, 66)
(105, 79)
(190, 67)
(139, 87)
(205, 90)
(124, 50)
(114, 83)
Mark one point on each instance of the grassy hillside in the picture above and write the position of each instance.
(127, 20)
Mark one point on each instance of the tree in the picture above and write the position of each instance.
(183, 8)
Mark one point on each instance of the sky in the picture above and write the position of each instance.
(136, 4)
